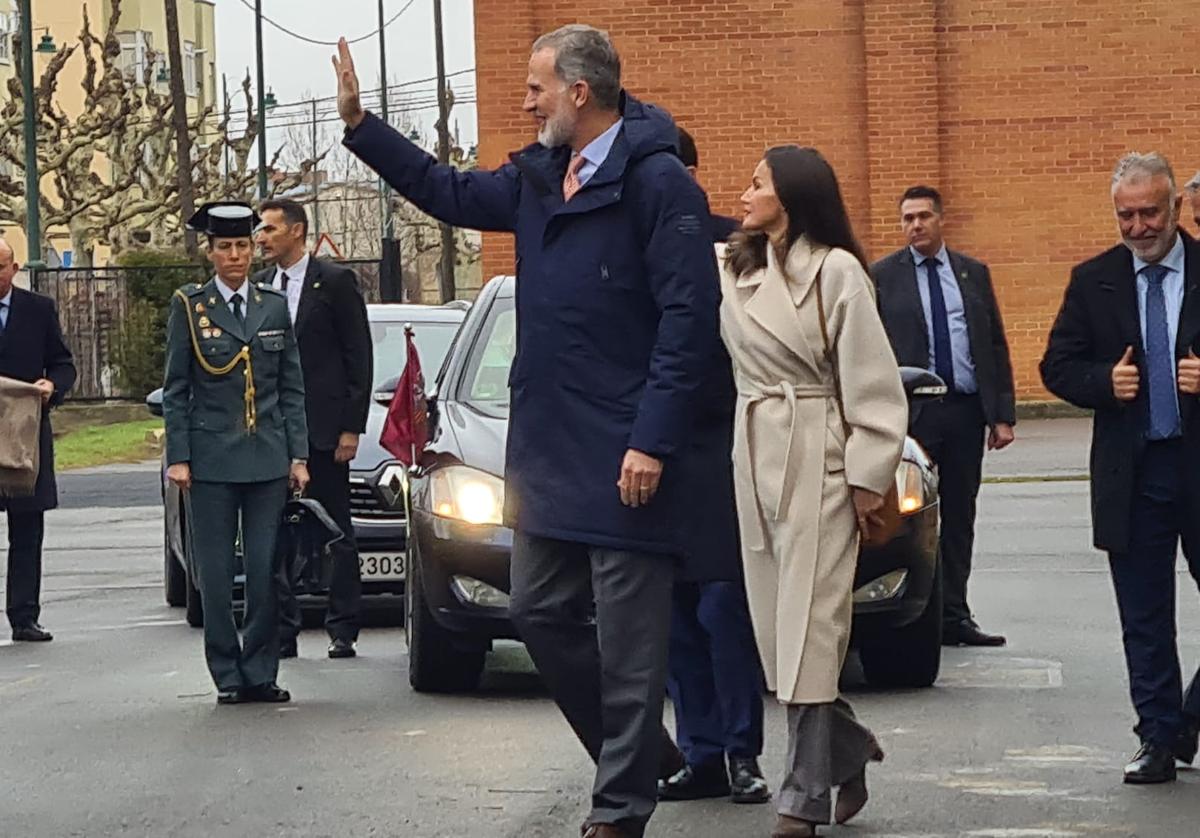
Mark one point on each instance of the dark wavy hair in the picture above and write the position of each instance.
(808, 190)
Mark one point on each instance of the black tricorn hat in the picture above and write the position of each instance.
(225, 220)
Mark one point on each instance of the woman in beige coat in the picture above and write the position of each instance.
(807, 484)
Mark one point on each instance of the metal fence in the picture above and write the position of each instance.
(93, 303)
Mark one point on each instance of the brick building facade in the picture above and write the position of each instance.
(1015, 109)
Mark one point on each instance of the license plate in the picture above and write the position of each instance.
(381, 566)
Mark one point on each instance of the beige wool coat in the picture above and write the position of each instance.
(793, 463)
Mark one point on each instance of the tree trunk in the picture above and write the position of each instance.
(183, 142)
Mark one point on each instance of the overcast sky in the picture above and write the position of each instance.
(295, 70)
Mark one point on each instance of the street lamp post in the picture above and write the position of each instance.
(383, 113)
(33, 219)
(262, 104)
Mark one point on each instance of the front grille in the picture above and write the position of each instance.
(365, 503)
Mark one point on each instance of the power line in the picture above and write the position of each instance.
(309, 40)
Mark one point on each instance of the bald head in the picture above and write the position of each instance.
(8, 268)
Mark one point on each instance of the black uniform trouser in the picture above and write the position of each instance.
(607, 668)
(1144, 580)
(329, 485)
(952, 432)
(252, 660)
(23, 586)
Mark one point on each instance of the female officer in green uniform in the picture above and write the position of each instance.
(233, 400)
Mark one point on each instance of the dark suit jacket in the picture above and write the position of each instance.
(904, 320)
(32, 347)
(335, 351)
(1099, 318)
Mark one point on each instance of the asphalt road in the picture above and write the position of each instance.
(112, 728)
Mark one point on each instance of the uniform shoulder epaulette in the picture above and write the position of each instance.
(192, 288)
(266, 286)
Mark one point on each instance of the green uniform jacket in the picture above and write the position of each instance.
(206, 414)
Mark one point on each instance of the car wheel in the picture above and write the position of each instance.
(174, 576)
(195, 608)
(909, 656)
(438, 660)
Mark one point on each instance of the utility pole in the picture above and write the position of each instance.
(33, 218)
(262, 104)
(316, 176)
(446, 267)
(385, 191)
(179, 116)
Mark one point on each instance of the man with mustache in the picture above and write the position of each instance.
(617, 301)
(1123, 346)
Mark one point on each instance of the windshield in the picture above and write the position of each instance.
(485, 385)
(433, 342)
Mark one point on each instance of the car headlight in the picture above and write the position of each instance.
(910, 487)
(467, 494)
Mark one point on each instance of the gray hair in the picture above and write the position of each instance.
(1135, 166)
(584, 53)
(1193, 185)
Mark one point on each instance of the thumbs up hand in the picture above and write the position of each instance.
(1125, 377)
(1189, 374)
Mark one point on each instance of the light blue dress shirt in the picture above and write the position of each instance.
(956, 315)
(227, 294)
(5, 308)
(596, 152)
(1172, 290)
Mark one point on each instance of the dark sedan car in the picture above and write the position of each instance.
(378, 482)
(458, 549)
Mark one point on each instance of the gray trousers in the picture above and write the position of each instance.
(597, 624)
(826, 748)
(214, 509)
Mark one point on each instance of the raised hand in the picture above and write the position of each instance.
(349, 103)
(1189, 374)
(1125, 377)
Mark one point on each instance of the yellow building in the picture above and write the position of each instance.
(142, 29)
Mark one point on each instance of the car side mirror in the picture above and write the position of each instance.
(154, 402)
(384, 392)
(921, 385)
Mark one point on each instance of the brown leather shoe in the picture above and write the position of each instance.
(604, 830)
(789, 827)
(852, 797)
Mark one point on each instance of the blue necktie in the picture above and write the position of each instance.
(943, 355)
(1160, 359)
(3, 318)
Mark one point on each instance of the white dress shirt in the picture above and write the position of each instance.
(295, 286)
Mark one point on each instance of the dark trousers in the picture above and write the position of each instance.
(1144, 580)
(597, 622)
(329, 484)
(23, 587)
(952, 432)
(715, 679)
(214, 511)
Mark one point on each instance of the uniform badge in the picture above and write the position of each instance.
(199, 308)
(212, 301)
(204, 321)
(216, 333)
(257, 298)
(206, 333)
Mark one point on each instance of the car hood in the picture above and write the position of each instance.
(475, 438)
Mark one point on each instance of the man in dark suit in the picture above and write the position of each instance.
(714, 677)
(939, 309)
(331, 325)
(32, 350)
(1124, 346)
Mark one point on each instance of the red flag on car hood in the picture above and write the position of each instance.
(404, 431)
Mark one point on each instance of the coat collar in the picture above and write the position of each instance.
(779, 293)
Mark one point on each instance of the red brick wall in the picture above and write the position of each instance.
(1017, 111)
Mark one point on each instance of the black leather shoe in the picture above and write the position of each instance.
(32, 633)
(1151, 764)
(267, 693)
(288, 649)
(1188, 741)
(746, 781)
(230, 697)
(342, 649)
(696, 783)
(670, 759)
(968, 633)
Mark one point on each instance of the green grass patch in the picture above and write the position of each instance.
(97, 445)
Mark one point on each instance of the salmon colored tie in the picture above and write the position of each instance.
(571, 183)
